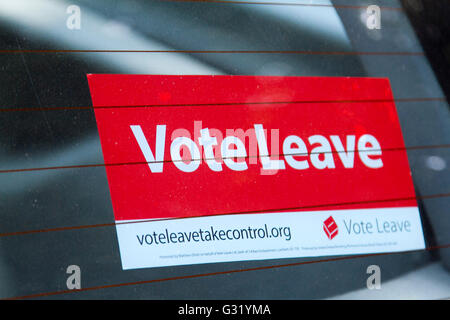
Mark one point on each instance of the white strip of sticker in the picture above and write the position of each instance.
(224, 238)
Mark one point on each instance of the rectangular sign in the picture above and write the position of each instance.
(208, 169)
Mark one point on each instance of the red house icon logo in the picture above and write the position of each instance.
(330, 227)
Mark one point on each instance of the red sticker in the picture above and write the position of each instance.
(192, 146)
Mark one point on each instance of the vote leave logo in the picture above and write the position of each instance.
(330, 227)
(191, 146)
